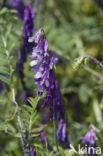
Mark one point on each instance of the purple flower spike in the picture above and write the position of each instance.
(43, 63)
(62, 135)
(19, 6)
(36, 37)
(90, 138)
(26, 46)
(33, 153)
(28, 21)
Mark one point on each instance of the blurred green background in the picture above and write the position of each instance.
(74, 28)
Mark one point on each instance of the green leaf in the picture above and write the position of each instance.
(35, 130)
(3, 61)
(97, 111)
(2, 126)
(34, 102)
(77, 62)
(4, 79)
(38, 145)
(35, 135)
(93, 62)
(33, 115)
(34, 118)
(101, 104)
(28, 108)
(17, 135)
(4, 70)
(11, 47)
(69, 154)
(3, 11)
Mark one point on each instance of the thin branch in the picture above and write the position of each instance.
(24, 134)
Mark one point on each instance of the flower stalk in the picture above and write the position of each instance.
(54, 130)
(24, 134)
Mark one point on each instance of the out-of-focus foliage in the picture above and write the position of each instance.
(74, 30)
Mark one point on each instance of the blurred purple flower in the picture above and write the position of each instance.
(19, 6)
(26, 96)
(90, 138)
(33, 153)
(62, 134)
(99, 3)
(45, 118)
(42, 136)
(43, 62)
(28, 22)
(26, 46)
(1, 86)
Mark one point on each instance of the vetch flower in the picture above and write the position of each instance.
(42, 136)
(28, 22)
(32, 152)
(62, 134)
(28, 30)
(90, 138)
(43, 63)
(19, 6)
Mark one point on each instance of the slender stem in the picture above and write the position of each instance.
(47, 153)
(24, 138)
(54, 129)
(24, 134)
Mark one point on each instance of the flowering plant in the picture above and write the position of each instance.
(51, 78)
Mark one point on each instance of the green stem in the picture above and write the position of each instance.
(54, 129)
(24, 134)
(24, 138)
(47, 153)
